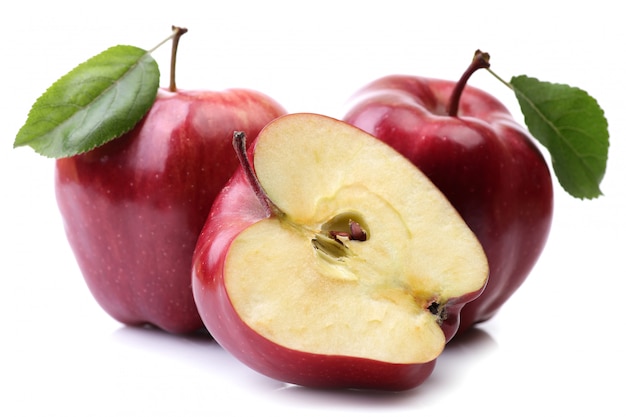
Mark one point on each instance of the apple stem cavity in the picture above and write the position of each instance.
(239, 143)
(177, 33)
(480, 61)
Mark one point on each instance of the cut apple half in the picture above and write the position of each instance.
(361, 255)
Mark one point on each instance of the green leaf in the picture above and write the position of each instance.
(97, 101)
(571, 125)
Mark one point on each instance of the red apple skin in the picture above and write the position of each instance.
(134, 207)
(483, 161)
(236, 208)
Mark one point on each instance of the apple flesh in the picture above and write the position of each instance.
(133, 208)
(331, 261)
(483, 161)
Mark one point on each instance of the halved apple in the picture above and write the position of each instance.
(330, 260)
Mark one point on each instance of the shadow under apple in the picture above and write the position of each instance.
(452, 367)
(198, 351)
(201, 352)
(459, 357)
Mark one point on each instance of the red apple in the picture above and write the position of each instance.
(480, 158)
(134, 207)
(330, 261)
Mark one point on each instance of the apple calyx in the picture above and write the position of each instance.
(480, 61)
(329, 242)
(439, 310)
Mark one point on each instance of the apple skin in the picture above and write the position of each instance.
(236, 208)
(134, 207)
(483, 161)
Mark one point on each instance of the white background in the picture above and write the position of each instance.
(556, 347)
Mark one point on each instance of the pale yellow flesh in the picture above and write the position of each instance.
(372, 302)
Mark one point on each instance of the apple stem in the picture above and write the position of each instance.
(178, 32)
(480, 60)
(239, 143)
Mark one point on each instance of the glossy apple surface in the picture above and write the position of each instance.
(133, 208)
(337, 281)
(481, 159)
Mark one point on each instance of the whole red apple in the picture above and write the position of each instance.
(314, 268)
(134, 207)
(468, 144)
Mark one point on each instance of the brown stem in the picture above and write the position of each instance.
(178, 32)
(481, 60)
(239, 143)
